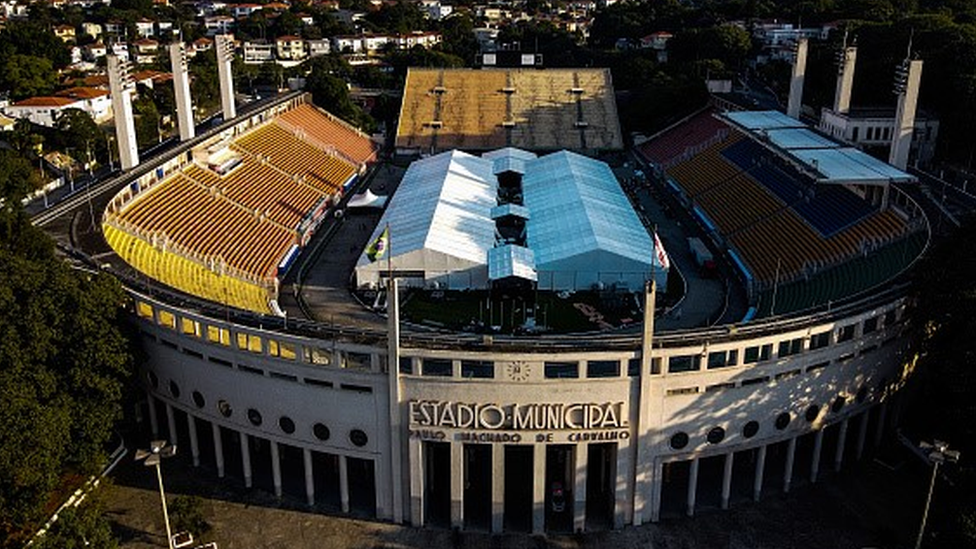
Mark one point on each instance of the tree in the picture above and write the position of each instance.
(27, 76)
(79, 132)
(81, 527)
(187, 513)
(63, 364)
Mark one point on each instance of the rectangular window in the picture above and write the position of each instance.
(190, 327)
(871, 325)
(559, 370)
(192, 353)
(249, 342)
(682, 391)
(633, 367)
(757, 353)
(439, 367)
(790, 347)
(167, 319)
(316, 355)
(784, 375)
(250, 370)
(218, 335)
(144, 309)
(406, 365)
(684, 363)
(478, 369)
(819, 341)
(318, 382)
(845, 333)
(755, 381)
(287, 351)
(890, 317)
(355, 388)
(167, 343)
(719, 387)
(221, 361)
(273, 347)
(603, 368)
(854, 135)
(818, 366)
(286, 377)
(358, 361)
(721, 359)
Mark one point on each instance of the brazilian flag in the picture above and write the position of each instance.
(378, 247)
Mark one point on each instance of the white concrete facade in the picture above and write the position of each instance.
(614, 429)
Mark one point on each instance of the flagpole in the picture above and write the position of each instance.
(389, 252)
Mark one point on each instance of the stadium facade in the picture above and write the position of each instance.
(499, 433)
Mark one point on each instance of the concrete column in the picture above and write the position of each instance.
(224, 45)
(760, 471)
(727, 480)
(218, 449)
(841, 439)
(788, 469)
(153, 417)
(626, 483)
(901, 137)
(657, 474)
(120, 85)
(191, 423)
(796, 80)
(845, 80)
(692, 487)
(276, 468)
(880, 429)
(497, 488)
(862, 432)
(181, 90)
(637, 472)
(415, 451)
(344, 484)
(579, 488)
(246, 460)
(815, 460)
(457, 485)
(538, 488)
(171, 425)
(309, 476)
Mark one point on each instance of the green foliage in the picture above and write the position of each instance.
(186, 513)
(34, 38)
(400, 17)
(147, 121)
(332, 94)
(27, 76)
(63, 361)
(457, 34)
(204, 84)
(79, 132)
(82, 527)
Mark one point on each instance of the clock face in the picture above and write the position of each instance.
(518, 370)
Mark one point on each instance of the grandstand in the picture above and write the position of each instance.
(779, 225)
(223, 226)
(487, 109)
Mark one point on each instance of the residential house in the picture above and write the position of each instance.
(165, 29)
(91, 29)
(145, 28)
(258, 51)
(290, 48)
(418, 38)
(436, 10)
(120, 50)
(199, 45)
(145, 50)
(65, 32)
(240, 11)
(45, 111)
(218, 24)
(115, 27)
(318, 47)
(347, 44)
(93, 52)
(657, 41)
(94, 101)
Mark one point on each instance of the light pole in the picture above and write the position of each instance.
(159, 449)
(938, 453)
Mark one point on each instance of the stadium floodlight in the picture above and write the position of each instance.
(159, 449)
(901, 78)
(938, 452)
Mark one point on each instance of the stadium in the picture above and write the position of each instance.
(259, 256)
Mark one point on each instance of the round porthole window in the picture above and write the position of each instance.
(286, 424)
(783, 421)
(679, 440)
(198, 399)
(174, 389)
(321, 432)
(812, 412)
(153, 380)
(862, 394)
(224, 408)
(716, 435)
(838, 404)
(254, 417)
(750, 429)
(358, 437)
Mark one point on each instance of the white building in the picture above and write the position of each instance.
(256, 52)
(145, 28)
(871, 128)
(45, 111)
(91, 29)
(218, 24)
(318, 47)
(290, 48)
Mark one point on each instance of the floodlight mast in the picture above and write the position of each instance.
(159, 449)
(938, 453)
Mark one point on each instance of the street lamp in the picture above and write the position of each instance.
(938, 453)
(159, 449)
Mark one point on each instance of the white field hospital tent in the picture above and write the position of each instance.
(440, 230)
(581, 230)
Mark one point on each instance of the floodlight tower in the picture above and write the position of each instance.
(121, 86)
(846, 58)
(224, 44)
(796, 80)
(908, 77)
(181, 87)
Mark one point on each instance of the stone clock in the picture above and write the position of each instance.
(518, 370)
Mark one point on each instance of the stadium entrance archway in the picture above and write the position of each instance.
(560, 478)
(437, 483)
(601, 473)
(518, 489)
(477, 486)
